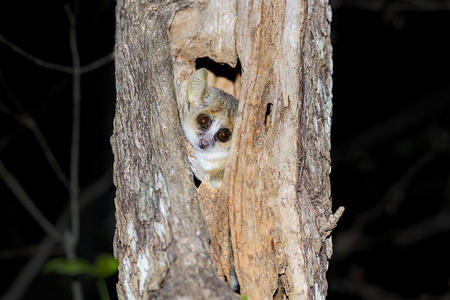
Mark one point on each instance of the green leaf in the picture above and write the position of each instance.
(244, 297)
(105, 265)
(65, 266)
(102, 289)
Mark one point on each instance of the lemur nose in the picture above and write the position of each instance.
(203, 144)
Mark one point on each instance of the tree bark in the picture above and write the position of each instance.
(160, 239)
(272, 215)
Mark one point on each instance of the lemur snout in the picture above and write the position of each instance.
(203, 144)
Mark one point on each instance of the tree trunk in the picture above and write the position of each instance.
(272, 215)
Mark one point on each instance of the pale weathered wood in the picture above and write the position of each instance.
(275, 199)
(279, 188)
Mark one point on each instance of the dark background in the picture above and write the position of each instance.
(390, 144)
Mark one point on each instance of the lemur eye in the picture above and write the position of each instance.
(203, 121)
(224, 135)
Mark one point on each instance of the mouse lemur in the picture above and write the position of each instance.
(208, 123)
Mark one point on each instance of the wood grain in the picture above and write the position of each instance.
(275, 198)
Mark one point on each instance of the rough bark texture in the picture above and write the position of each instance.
(275, 199)
(160, 240)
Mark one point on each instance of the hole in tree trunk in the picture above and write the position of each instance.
(196, 181)
(268, 114)
(222, 76)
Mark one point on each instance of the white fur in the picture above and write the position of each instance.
(203, 161)
(194, 138)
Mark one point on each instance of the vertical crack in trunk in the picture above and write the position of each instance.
(272, 213)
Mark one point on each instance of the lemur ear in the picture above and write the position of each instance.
(196, 88)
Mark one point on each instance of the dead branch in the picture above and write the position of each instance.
(57, 67)
(33, 267)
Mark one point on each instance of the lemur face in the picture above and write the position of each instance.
(211, 125)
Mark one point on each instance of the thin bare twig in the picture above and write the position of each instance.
(351, 240)
(28, 122)
(46, 150)
(73, 237)
(32, 268)
(35, 60)
(75, 143)
(29, 205)
(423, 230)
(97, 63)
(11, 253)
(57, 67)
(396, 7)
(405, 119)
(20, 285)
